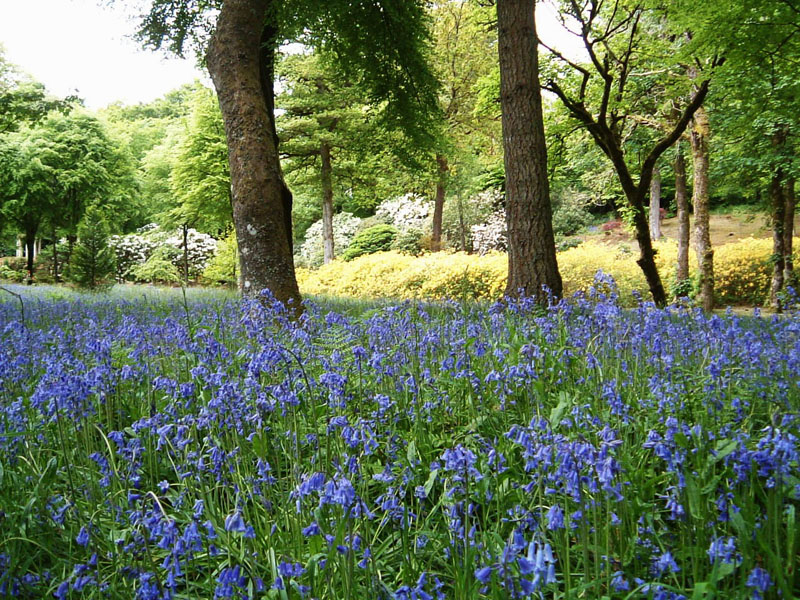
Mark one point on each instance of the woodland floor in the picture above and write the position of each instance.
(725, 228)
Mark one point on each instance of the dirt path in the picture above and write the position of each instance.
(724, 229)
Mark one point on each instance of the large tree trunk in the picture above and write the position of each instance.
(327, 203)
(778, 211)
(238, 63)
(788, 233)
(655, 204)
(682, 204)
(531, 244)
(700, 199)
(438, 201)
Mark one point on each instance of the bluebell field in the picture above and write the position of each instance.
(154, 447)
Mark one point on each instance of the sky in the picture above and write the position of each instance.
(84, 47)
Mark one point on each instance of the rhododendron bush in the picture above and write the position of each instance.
(136, 249)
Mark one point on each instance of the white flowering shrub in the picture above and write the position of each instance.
(135, 249)
(312, 251)
(461, 215)
(131, 250)
(409, 211)
(490, 235)
(200, 249)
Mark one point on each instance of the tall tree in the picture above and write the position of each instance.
(390, 60)
(602, 94)
(655, 204)
(199, 180)
(531, 244)
(322, 117)
(682, 207)
(462, 55)
(700, 134)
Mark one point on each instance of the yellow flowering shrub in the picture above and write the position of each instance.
(742, 273)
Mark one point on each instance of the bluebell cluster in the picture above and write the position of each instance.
(154, 448)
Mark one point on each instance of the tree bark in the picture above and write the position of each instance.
(700, 199)
(655, 204)
(682, 204)
(327, 203)
(438, 202)
(778, 210)
(531, 244)
(239, 63)
(788, 233)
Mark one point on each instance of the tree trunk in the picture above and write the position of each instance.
(30, 250)
(71, 239)
(327, 204)
(655, 204)
(438, 202)
(778, 206)
(702, 231)
(462, 226)
(531, 244)
(238, 64)
(788, 233)
(682, 204)
(55, 256)
(186, 254)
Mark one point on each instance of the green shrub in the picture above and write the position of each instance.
(159, 268)
(9, 274)
(570, 213)
(368, 241)
(223, 267)
(410, 242)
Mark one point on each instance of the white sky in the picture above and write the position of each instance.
(84, 47)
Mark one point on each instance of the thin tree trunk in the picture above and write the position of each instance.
(71, 239)
(682, 204)
(462, 226)
(186, 253)
(327, 204)
(30, 249)
(700, 199)
(788, 233)
(55, 256)
(655, 204)
(778, 206)
(239, 64)
(438, 202)
(531, 244)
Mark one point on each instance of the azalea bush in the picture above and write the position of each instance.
(173, 447)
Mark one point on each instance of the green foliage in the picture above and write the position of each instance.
(368, 241)
(200, 181)
(92, 263)
(159, 268)
(411, 241)
(570, 213)
(223, 267)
